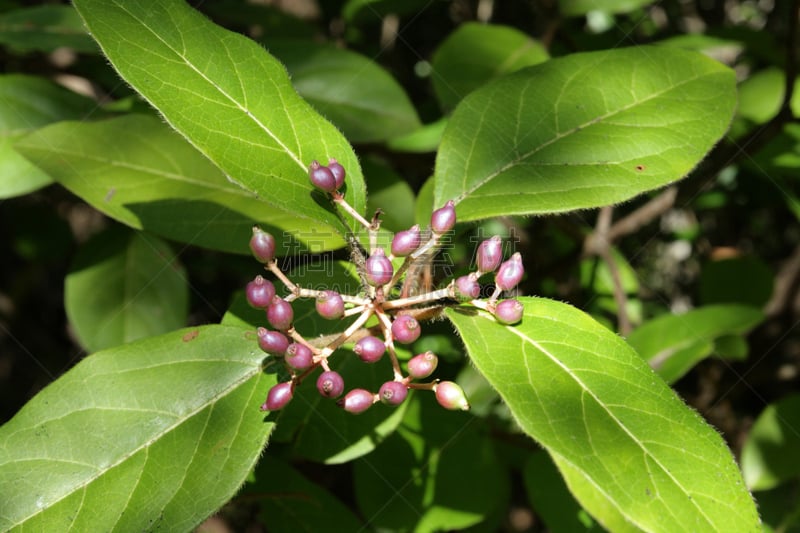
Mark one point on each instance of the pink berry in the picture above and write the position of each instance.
(509, 311)
(299, 356)
(490, 254)
(405, 329)
(260, 292)
(510, 273)
(280, 313)
(369, 349)
(330, 384)
(379, 269)
(262, 244)
(450, 396)
(338, 172)
(357, 401)
(443, 219)
(393, 393)
(330, 305)
(467, 288)
(405, 242)
(321, 177)
(278, 396)
(422, 365)
(272, 342)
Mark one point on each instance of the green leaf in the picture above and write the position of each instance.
(551, 499)
(476, 53)
(583, 131)
(124, 286)
(574, 8)
(290, 503)
(423, 140)
(362, 11)
(769, 456)
(761, 95)
(156, 434)
(673, 344)
(27, 103)
(596, 406)
(45, 28)
(137, 170)
(229, 97)
(353, 92)
(437, 472)
(390, 193)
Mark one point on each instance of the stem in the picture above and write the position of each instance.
(387, 335)
(272, 266)
(294, 334)
(341, 202)
(346, 334)
(447, 292)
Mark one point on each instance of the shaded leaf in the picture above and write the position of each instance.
(138, 171)
(583, 131)
(743, 280)
(390, 193)
(156, 434)
(44, 28)
(673, 344)
(573, 8)
(350, 90)
(769, 456)
(592, 402)
(476, 53)
(422, 140)
(228, 96)
(123, 286)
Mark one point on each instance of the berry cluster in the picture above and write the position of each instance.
(385, 295)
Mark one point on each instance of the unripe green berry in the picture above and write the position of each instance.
(450, 396)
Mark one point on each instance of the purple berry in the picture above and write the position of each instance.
(278, 396)
(357, 401)
(467, 288)
(405, 242)
(379, 268)
(330, 305)
(510, 273)
(393, 393)
(450, 396)
(509, 311)
(490, 253)
(443, 219)
(369, 349)
(280, 314)
(330, 384)
(262, 244)
(299, 356)
(272, 342)
(421, 366)
(405, 329)
(338, 172)
(260, 292)
(321, 177)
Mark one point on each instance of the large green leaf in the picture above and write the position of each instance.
(228, 96)
(583, 131)
(140, 172)
(124, 286)
(597, 407)
(27, 103)
(673, 344)
(151, 435)
(769, 457)
(476, 53)
(44, 28)
(354, 93)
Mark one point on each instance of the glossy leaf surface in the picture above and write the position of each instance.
(125, 286)
(673, 344)
(138, 171)
(476, 53)
(353, 92)
(228, 96)
(588, 398)
(156, 434)
(583, 131)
